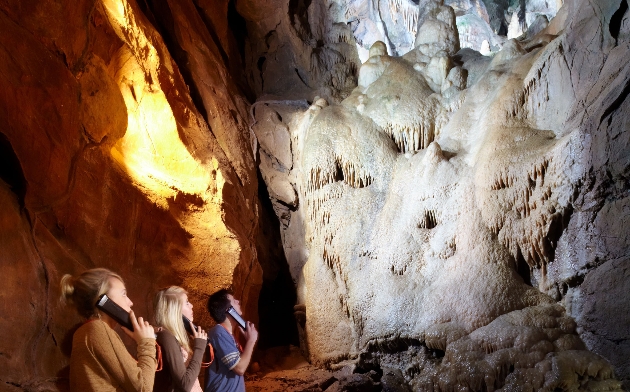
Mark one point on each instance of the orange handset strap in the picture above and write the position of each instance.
(207, 364)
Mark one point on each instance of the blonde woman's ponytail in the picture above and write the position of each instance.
(67, 289)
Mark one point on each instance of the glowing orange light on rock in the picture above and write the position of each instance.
(151, 151)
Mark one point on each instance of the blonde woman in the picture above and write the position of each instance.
(99, 360)
(181, 361)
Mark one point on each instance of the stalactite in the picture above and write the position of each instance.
(411, 138)
(409, 12)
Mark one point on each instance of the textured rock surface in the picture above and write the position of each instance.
(297, 49)
(451, 221)
(112, 157)
(455, 212)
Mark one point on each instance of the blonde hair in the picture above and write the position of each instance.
(83, 291)
(168, 306)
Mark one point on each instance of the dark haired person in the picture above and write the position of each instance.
(225, 374)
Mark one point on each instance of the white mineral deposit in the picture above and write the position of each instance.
(442, 210)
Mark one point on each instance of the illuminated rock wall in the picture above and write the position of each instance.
(455, 216)
(112, 156)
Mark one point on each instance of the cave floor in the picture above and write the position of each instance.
(285, 369)
(306, 378)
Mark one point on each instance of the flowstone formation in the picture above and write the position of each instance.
(450, 216)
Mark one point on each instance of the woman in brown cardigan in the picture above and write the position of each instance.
(99, 360)
(181, 362)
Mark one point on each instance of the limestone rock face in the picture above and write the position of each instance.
(297, 49)
(112, 156)
(458, 214)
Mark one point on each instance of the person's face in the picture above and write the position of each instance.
(236, 304)
(118, 293)
(187, 308)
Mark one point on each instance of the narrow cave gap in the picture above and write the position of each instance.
(260, 63)
(393, 345)
(213, 33)
(573, 282)
(298, 9)
(522, 268)
(11, 170)
(616, 104)
(238, 26)
(615, 21)
(557, 226)
(503, 29)
(436, 353)
(522, 11)
(303, 78)
(146, 10)
(277, 325)
(288, 206)
(498, 11)
(164, 24)
(338, 173)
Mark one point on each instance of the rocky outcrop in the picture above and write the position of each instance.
(115, 156)
(453, 220)
(454, 213)
(298, 49)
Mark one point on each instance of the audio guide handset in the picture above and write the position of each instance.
(190, 327)
(113, 310)
(232, 312)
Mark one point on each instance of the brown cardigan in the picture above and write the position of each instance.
(175, 376)
(100, 361)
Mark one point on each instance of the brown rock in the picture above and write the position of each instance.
(117, 168)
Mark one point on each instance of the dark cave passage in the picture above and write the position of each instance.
(11, 170)
(277, 296)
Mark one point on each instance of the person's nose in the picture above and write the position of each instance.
(130, 303)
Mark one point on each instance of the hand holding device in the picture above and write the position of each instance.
(250, 333)
(141, 329)
(196, 331)
(237, 317)
(136, 328)
(200, 333)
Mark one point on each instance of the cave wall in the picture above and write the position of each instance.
(444, 211)
(459, 217)
(300, 49)
(116, 156)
